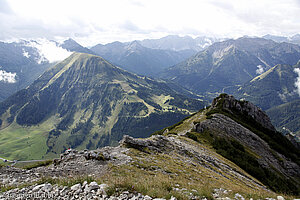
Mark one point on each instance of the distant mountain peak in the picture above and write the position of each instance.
(70, 40)
(179, 43)
(71, 45)
(134, 45)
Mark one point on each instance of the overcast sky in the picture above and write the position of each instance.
(101, 21)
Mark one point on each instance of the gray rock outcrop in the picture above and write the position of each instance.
(229, 103)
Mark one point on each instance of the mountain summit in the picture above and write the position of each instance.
(85, 102)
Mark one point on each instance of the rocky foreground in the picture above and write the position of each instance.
(42, 182)
(87, 191)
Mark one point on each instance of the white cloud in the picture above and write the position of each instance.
(49, 51)
(297, 83)
(100, 21)
(260, 69)
(7, 77)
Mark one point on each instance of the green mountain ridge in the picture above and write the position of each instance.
(272, 88)
(275, 92)
(85, 102)
(286, 117)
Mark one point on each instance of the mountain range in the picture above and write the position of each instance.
(242, 67)
(85, 102)
(295, 39)
(139, 59)
(23, 61)
(225, 65)
(177, 43)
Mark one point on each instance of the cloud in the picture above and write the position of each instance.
(7, 77)
(49, 51)
(297, 83)
(128, 25)
(4, 7)
(99, 21)
(260, 69)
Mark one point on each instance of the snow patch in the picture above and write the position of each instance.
(25, 54)
(260, 69)
(7, 77)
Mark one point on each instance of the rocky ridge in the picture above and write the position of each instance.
(98, 162)
(229, 103)
(226, 127)
(241, 127)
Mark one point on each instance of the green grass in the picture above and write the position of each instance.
(24, 143)
(170, 128)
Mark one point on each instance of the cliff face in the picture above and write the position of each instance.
(230, 104)
(223, 126)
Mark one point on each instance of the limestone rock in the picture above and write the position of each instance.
(229, 103)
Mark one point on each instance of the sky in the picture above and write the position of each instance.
(90, 22)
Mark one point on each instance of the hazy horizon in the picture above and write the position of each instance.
(94, 22)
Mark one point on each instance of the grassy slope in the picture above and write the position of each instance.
(272, 88)
(195, 178)
(96, 98)
(23, 143)
(286, 115)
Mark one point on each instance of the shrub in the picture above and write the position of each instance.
(192, 136)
